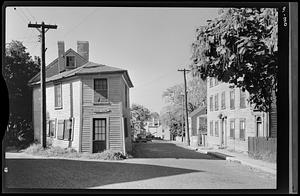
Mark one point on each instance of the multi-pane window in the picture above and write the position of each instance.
(58, 96)
(210, 82)
(51, 128)
(242, 129)
(70, 61)
(223, 105)
(216, 102)
(232, 128)
(232, 97)
(211, 131)
(242, 99)
(99, 130)
(101, 91)
(217, 128)
(211, 103)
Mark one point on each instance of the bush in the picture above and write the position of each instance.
(56, 151)
(265, 156)
(106, 155)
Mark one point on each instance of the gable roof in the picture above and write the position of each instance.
(52, 64)
(87, 68)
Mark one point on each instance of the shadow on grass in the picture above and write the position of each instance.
(74, 174)
(167, 150)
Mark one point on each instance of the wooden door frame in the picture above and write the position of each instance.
(99, 116)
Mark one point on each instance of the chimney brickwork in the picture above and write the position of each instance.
(61, 58)
(83, 49)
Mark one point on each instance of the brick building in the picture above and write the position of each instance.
(231, 119)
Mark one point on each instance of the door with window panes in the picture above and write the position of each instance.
(99, 134)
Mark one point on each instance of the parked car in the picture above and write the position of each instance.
(141, 138)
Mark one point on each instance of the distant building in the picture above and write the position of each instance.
(231, 119)
(198, 126)
(87, 103)
(155, 128)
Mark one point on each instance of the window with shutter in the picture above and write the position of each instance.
(211, 131)
(223, 105)
(60, 129)
(242, 99)
(216, 102)
(211, 103)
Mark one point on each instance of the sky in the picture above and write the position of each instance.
(151, 43)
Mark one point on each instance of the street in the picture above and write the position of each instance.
(156, 165)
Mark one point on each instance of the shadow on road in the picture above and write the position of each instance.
(166, 150)
(51, 173)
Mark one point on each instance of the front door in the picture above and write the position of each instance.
(99, 134)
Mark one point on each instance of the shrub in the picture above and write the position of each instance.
(106, 155)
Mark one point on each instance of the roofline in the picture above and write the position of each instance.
(53, 63)
(78, 74)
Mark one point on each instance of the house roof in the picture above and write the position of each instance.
(198, 111)
(87, 68)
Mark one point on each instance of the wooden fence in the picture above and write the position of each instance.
(262, 145)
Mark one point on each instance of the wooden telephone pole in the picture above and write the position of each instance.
(41, 28)
(186, 108)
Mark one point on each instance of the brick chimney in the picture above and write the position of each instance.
(83, 49)
(61, 57)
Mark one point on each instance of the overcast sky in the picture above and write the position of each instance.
(151, 43)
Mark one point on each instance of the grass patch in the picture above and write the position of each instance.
(55, 151)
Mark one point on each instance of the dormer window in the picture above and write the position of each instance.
(70, 61)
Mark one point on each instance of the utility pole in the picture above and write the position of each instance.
(43, 28)
(186, 108)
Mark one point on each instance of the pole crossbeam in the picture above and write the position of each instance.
(186, 108)
(42, 28)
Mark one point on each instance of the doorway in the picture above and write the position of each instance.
(223, 132)
(99, 134)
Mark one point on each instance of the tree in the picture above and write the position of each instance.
(172, 114)
(240, 47)
(18, 69)
(139, 115)
(196, 94)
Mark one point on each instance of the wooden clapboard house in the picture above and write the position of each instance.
(87, 103)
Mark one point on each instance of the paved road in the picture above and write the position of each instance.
(158, 165)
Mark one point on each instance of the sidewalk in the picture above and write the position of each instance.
(235, 157)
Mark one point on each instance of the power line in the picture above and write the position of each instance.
(75, 26)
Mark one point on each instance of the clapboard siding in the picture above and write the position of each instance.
(273, 119)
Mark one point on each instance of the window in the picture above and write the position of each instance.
(58, 96)
(216, 102)
(210, 82)
(51, 128)
(99, 130)
(68, 130)
(216, 81)
(223, 105)
(232, 99)
(101, 92)
(211, 103)
(70, 61)
(217, 128)
(211, 131)
(232, 128)
(125, 127)
(242, 129)
(259, 127)
(242, 99)
(60, 130)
